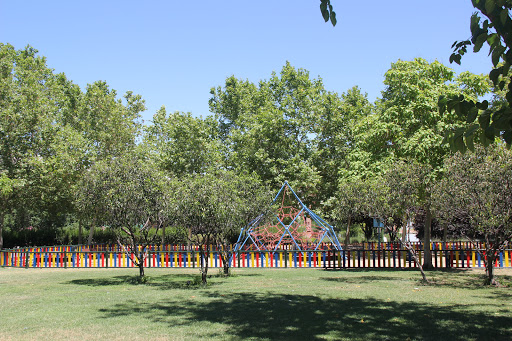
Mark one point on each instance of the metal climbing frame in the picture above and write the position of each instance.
(292, 224)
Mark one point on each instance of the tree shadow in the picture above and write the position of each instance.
(461, 279)
(360, 279)
(305, 317)
(163, 282)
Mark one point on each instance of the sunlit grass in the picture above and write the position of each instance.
(294, 304)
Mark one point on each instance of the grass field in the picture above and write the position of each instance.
(254, 304)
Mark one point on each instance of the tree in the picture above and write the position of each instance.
(403, 191)
(215, 206)
(352, 204)
(182, 144)
(335, 139)
(477, 188)
(51, 132)
(270, 128)
(485, 122)
(30, 98)
(130, 197)
(407, 125)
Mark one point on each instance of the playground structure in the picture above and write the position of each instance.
(292, 225)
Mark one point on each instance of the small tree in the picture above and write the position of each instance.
(129, 196)
(394, 197)
(215, 206)
(350, 205)
(477, 187)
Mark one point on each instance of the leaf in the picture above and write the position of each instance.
(483, 138)
(492, 40)
(323, 6)
(497, 54)
(507, 136)
(470, 142)
(506, 68)
(441, 104)
(490, 133)
(482, 105)
(494, 75)
(333, 18)
(484, 119)
(489, 6)
(504, 16)
(471, 130)
(323, 9)
(475, 22)
(459, 144)
(479, 41)
(472, 113)
(508, 96)
(501, 120)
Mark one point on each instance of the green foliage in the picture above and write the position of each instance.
(272, 128)
(214, 206)
(181, 144)
(129, 196)
(484, 122)
(50, 133)
(476, 188)
(328, 12)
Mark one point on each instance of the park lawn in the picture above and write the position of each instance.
(254, 304)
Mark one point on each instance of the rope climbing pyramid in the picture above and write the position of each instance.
(287, 223)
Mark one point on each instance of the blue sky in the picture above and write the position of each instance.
(173, 52)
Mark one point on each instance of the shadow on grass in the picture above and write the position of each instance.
(305, 317)
(456, 278)
(461, 279)
(163, 282)
(361, 279)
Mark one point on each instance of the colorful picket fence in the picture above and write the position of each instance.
(68, 257)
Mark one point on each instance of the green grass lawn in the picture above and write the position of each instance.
(257, 304)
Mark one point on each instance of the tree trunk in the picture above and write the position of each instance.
(204, 270)
(405, 231)
(347, 233)
(427, 259)
(204, 253)
(226, 261)
(163, 234)
(489, 268)
(141, 267)
(410, 249)
(445, 232)
(1, 231)
(91, 232)
(414, 256)
(80, 232)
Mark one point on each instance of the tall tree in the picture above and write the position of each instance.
(408, 124)
(270, 128)
(334, 139)
(182, 144)
(30, 99)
